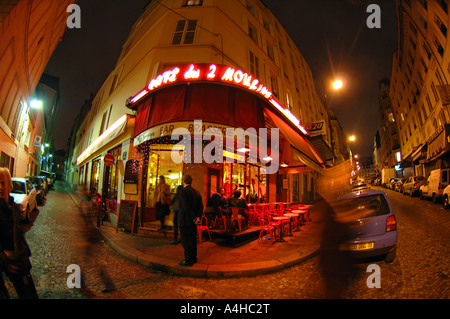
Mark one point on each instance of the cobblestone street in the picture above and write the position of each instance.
(61, 236)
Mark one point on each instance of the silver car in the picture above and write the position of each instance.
(24, 194)
(412, 185)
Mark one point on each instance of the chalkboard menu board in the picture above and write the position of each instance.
(127, 215)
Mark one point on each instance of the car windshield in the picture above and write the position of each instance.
(354, 208)
(18, 187)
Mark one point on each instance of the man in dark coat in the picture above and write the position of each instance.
(191, 209)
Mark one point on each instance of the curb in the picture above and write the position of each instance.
(204, 270)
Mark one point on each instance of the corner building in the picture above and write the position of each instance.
(190, 66)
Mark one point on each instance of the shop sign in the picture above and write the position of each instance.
(214, 73)
(168, 128)
(315, 128)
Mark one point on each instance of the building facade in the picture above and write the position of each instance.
(419, 87)
(29, 33)
(190, 66)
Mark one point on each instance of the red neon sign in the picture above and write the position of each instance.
(215, 73)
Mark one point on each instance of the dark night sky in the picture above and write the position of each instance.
(331, 34)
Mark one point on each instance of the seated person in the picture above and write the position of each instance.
(219, 203)
(236, 201)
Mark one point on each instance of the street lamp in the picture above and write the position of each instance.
(36, 104)
(337, 84)
(352, 138)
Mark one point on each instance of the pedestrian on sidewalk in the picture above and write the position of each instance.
(162, 201)
(14, 250)
(189, 215)
(176, 208)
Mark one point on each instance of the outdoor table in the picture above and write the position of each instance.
(292, 216)
(301, 212)
(281, 218)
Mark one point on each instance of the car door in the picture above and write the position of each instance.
(31, 193)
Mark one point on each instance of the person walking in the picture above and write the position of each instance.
(176, 208)
(191, 209)
(162, 201)
(14, 250)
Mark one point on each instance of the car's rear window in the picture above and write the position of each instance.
(354, 208)
(18, 187)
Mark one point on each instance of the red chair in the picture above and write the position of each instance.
(201, 228)
(266, 229)
(223, 218)
(252, 215)
(235, 216)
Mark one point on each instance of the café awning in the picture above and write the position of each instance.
(304, 151)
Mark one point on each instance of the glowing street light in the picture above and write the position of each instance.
(352, 138)
(337, 84)
(36, 104)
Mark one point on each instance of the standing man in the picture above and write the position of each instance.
(191, 209)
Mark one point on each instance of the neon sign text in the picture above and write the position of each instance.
(215, 73)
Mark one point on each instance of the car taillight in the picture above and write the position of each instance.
(391, 223)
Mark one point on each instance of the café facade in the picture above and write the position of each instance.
(226, 129)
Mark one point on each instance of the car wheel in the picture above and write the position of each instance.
(446, 203)
(434, 198)
(390, 256)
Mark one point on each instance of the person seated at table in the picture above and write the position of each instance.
(237, 201)
(219, 203)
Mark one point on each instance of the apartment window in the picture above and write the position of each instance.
(435, 93)
(192, 3)
(184, 32)
(102, 126)
(251, 9)
(439, 47)
(274, 85)
(288, 101)
(254, 64)
(441, 25)
(443, 5)
(270, 52)
(252, 32)
(430, 106)
(427, 50)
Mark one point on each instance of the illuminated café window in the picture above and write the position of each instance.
(192, 3)
(159, 162)
(184, 32)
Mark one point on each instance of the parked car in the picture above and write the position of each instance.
(38, 184)
(435, 184)
(44, 183)
(446, 197)
(24, 194)
(398, 186)
(371, 222)
(359, 186)
(392, 182)
(412, 185)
